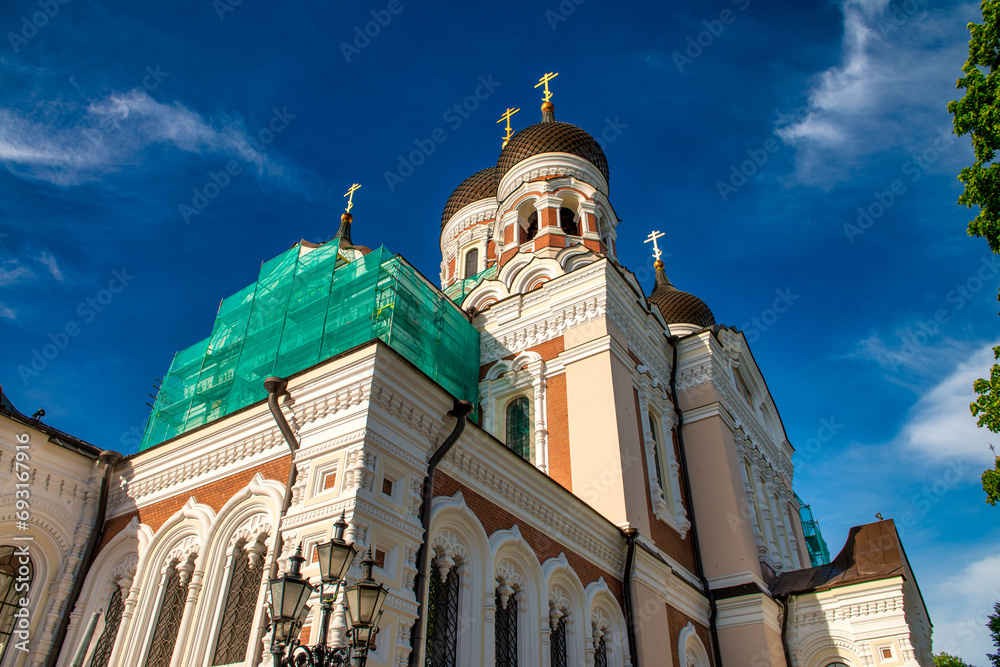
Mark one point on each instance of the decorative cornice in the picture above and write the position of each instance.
(404, 410)
(499, 345)
(556, 523)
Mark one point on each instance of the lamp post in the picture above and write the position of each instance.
(290, 593)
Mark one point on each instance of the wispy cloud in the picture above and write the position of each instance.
(940, 425)
(962, 603)
(12, 271)
(897, 71)
(68, 145)
(46, 258)
(7, 313)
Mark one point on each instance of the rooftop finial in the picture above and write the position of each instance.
(661, 276)
(346, 218)
(506, 116)
(548, 109)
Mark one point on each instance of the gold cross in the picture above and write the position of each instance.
(652, 237)
(544, 81)
(506, 116)
(350, 196)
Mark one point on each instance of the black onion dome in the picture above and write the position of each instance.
(551, 137)
(478, 186)
(679, 307)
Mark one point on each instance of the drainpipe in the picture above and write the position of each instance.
(275, 388)
(110, 460)
(783, 601)
(460, 411)
(630, 535)
(674, 340)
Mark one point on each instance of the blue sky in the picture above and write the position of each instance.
(790, 151)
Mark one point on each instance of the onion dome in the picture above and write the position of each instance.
(551, 136)
(478, 186)
(678, 307)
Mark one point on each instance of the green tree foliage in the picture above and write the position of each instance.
(945, 660)
(994, 625)
(978, 114)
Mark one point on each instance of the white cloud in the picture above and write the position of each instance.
(896, 74)
(68, 146)
(961, 604)
(46, 258)
(11, 271)
(940, 425)
(6, 313)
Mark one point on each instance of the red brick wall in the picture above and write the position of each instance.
(558, 422)
(547, 351)
(494, 518)
(215, 494)
(678, 621)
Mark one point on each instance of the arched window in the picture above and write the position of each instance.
(168, 620)
(442, 621)
(656, 455)
(241, 603)
(568, 223)
(557, 644)
(16, 572)
(112, 619)
(471, 263)
(531, 228)
(519, 427)
(838, 664)
(506, 630)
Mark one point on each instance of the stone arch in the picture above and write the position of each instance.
(691, 651)
(178, 541)
(516, 569)
(607, 622)
(567, 599)
(457, 540)
(832, 646)
(539, 269)
(245, 521)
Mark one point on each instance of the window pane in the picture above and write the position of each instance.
(168, 622)
(518, 428)
(601, 654)
(558, 645)
(471, 263)
(112, 619)
(442, 621)
(656, 452)
(506, 633)
(241, 602)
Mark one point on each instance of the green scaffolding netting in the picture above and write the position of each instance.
(310, 304)
(457, 291)
(819, 554)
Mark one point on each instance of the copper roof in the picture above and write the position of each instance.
(872, 552)
(679, 307)
(478, 186)
(551, 137)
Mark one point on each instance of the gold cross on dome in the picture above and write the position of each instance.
(544, 81)
(506, 116)
(652, 237)
(350, 196)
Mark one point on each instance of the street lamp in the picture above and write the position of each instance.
(291, 591)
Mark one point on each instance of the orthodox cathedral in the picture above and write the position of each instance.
(541, 462)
